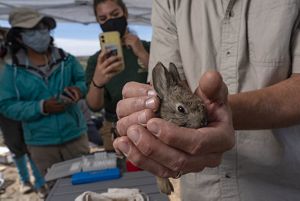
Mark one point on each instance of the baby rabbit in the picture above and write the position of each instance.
(177, 105)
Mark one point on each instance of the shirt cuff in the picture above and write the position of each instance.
(42, 108)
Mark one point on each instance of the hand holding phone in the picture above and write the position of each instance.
(111, 43)
(70, 95)
(66, 97)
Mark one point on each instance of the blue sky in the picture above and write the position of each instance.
(82, 40)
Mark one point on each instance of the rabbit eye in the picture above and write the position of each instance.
(181, 109)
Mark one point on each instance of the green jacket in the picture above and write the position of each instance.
(23, 89)
(113, 89)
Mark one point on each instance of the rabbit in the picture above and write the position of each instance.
(177, 105)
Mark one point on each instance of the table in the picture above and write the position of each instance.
(63, 189)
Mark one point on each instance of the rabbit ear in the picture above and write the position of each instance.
(174, 73)
(161, 79)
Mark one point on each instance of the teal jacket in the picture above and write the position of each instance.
(23, 90)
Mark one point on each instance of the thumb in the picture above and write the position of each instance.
(212, 88)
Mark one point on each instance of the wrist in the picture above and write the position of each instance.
(42, 107)
(98, 86)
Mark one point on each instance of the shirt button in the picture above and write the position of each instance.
(228, 53)
(227, 175)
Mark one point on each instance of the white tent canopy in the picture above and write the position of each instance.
(78, 11)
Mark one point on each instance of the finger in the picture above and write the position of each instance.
(128, 106)
(110, 75)
(140, 117)
(124, 145)
(212, 88)
(135, 89)
(205, 140)
(113, 67)
(154, 149)
(111, 60)
(102, 56)
(71, 92)
(76, 94)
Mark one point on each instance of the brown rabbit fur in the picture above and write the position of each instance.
(177, 105)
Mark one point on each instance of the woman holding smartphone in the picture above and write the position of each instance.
(40, 87)
(103, 76)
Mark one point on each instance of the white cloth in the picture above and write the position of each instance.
(113, 194)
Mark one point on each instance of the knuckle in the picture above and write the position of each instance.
(147, 150)
(179, 164)
(137, 103)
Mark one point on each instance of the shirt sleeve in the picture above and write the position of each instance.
(79, 76)
(296, 49)
(90, 69)
(11, 106)
(164, 44)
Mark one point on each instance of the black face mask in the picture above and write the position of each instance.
(116, 24)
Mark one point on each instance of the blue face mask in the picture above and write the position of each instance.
(38, 40)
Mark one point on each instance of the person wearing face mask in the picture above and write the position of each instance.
(13, 138)
(40, 87)
(105, 84)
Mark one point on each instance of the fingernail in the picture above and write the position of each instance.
(150, 103)
(153, 127)
(142, 119)
(151, 93)
(124, 147)
(133, 135)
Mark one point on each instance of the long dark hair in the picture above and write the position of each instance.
(118, 2)
(12, 42)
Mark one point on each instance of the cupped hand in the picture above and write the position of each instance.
(162, 147)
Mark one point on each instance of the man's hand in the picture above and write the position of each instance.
(162, 147)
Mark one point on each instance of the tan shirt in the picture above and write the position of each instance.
(254, 44)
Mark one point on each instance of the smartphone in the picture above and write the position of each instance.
(65, 97)
(111, 42)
